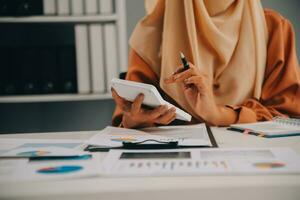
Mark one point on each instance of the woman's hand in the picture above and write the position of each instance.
(135, 116)
(198, 90)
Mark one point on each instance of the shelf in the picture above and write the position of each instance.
(53, 98)
(118, 19)
(60, 19)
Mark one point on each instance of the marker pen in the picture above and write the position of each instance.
(185, 63)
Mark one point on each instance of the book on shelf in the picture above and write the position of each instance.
(63, 7)
(5, 64)
(21, 7)
(277, 127)
(6, 8)
(67, 69)
(30, 70)
(77, 7)
(97, 61)
(8, 75)
(27, 7)
(13, 74)
(110, 45)
(49, 70)
(106, 6)
(91, 7)
(49, 7)
(82, 58)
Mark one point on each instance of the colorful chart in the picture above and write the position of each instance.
(60, 169)
(123, 139)
(33, 153)
(269, 165)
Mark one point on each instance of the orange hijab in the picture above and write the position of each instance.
(225, 39)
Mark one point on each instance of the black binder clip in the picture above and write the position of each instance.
(155, 144)
(144, 145)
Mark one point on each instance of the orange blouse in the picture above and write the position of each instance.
(281, 87)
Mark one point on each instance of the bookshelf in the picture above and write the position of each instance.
(53, 98)
(61, 19)
(117, 19)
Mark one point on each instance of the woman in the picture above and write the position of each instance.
(243, 63)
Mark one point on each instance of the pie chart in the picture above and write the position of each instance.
(63, 169)
(269, 165)
(33, 153)
(123, 139)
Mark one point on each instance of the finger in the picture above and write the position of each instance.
(167, 117)
(197, 81)
(137, 104)
(182, 76)
(177, 71)
(155, 113)
(191, 93)
(122, 103)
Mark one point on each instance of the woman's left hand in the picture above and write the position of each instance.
(198, 90)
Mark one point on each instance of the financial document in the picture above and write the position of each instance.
(201, 162)
(8, 144)
(191, 135)
(50, 151)
(23, 169)
(19, 170)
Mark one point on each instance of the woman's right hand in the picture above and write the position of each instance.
(135, 116)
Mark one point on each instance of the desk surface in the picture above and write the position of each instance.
(205, 187)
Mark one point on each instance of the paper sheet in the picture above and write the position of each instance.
(7, 144)
(192, 135)
(201, 162)
(21, 169)
(50, 151)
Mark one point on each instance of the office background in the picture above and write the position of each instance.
(92, 115)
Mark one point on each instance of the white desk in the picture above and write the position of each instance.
(275, 187)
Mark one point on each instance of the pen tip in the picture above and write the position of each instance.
(181, 55)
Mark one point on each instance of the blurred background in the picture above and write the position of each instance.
(86, 107)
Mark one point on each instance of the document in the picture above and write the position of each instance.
(277, 127)
(7, 144)
(19, 168)
(40, 152)
(191, 135)
(201, 162)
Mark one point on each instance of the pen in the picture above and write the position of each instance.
(184, 62)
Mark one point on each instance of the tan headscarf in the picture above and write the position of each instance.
(225, 39)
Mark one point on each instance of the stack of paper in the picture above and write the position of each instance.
(193, 135)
